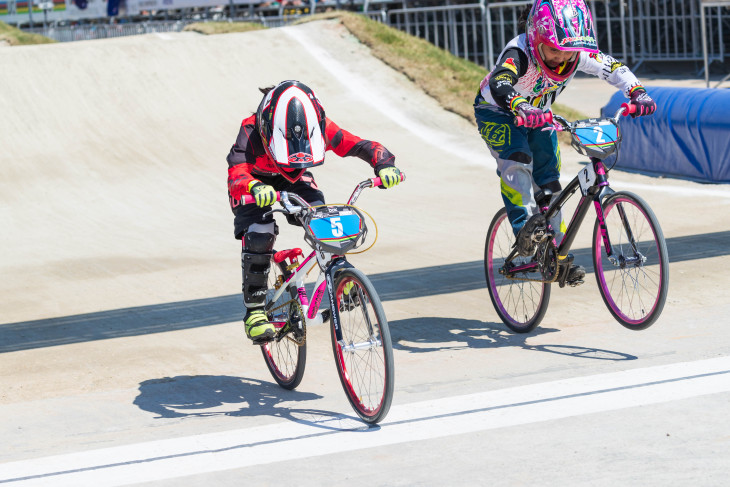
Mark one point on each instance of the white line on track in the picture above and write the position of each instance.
(179, 457)
(441, 139)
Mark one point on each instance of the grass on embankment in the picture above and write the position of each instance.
(16, 37)
(452, 81)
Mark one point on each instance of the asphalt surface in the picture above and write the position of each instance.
(123, 360)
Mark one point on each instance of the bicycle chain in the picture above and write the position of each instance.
(555, 277)
(513, 278)
(303, 339)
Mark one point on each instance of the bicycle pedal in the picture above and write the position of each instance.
(262, 340)
(575, 283)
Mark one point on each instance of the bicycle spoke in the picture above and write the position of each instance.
(633, 282)
(364, 356)
(520, 304)
(285, 356)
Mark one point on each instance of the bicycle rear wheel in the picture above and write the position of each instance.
(286, 355)
(635, 280)
(365, 357)
(520, 304)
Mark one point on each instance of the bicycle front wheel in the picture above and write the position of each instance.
(634, 280)
(364, 357)
(520, 303)
(286, 355)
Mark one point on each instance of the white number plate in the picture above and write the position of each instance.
(586, 178)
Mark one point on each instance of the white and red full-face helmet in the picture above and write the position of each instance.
(291, 122)
(565, 25)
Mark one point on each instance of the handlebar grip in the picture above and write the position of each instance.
(629, 108)
(377, 182)
(247, 199)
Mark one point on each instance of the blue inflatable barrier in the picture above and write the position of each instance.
(687, 137)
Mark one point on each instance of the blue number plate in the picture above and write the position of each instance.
(601, 135)
(344, 226)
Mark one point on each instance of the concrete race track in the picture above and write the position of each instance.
(123, 360)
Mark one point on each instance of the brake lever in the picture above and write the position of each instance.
(271, 212)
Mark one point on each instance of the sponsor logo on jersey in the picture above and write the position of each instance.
(596, 56)
(509, 63)
(615, 65)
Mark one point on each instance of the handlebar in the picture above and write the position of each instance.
(559, 123)
(630, 109)
(285, 196)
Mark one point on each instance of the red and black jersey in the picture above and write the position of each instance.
(247, 159)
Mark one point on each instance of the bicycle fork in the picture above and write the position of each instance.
(620, 260)
(372, 342)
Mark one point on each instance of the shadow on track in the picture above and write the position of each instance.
(208, 395)
(421, 282)
(422, 335)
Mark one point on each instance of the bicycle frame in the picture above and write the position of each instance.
(629, 253)
(596, 194)
(329, 265)
(592, 181)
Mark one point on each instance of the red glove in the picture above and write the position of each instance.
(644, 104)
(532, 117)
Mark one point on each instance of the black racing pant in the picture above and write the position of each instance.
(247, 215)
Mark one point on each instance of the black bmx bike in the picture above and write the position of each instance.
(629, 251)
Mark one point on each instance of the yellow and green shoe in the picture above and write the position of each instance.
(258, 327)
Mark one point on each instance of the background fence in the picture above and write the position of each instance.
(634, 31)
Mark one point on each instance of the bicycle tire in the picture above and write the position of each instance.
(635, 287)
(521, 305)
(286, 355)
(365, 363)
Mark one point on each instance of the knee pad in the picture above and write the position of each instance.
(255, 269)
(255, 263)
(517, 185)
(258, 243)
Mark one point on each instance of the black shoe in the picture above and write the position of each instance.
(576, 275)
(532, 232)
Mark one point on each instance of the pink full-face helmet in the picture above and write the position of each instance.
(565, 25)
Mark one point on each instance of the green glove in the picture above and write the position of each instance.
(264, 194)
(389, 176)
